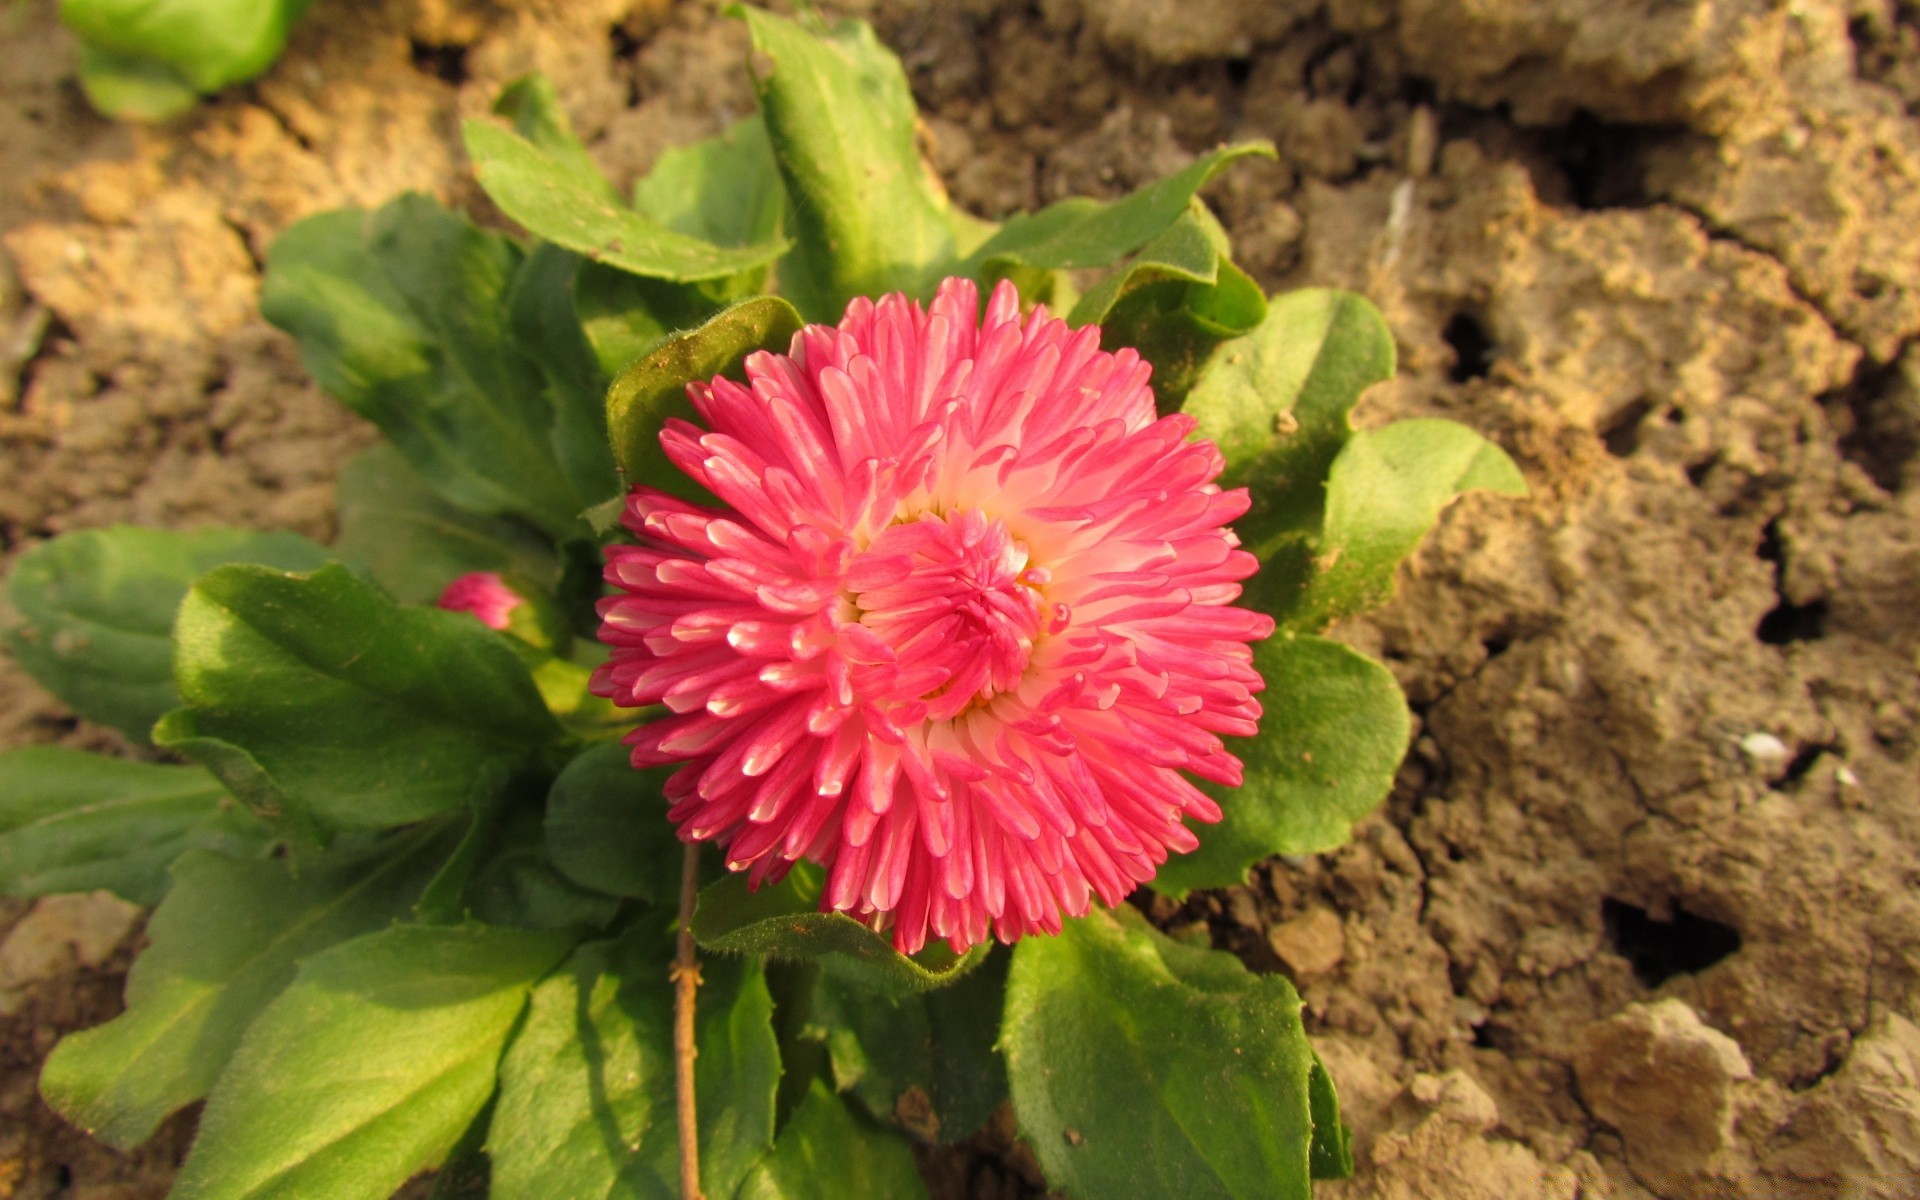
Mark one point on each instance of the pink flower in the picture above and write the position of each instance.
(964, 621)
(485, 595)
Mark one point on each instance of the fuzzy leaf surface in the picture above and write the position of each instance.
(317, 698)
(74, 822)
(96, 609)
(586, 1106)
(369, 1067)
(1332, 736)
(221, 945)
(1143, 1067)
(607, 827)
(828, 1153)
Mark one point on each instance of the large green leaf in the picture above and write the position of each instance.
(316, 697)
(1081, 232)
(1384, 493)
(586, 1107)
(827, 1153)
(923, 1060)
(1334, 730)
(222, 944)
(96, 608)
(542, 186)
(607, 826)
(414, 543)
(867, 214)
(515, 883)
(541, 305)
(784, 921)
(655, 388)
(1277, 401)
(725, 189)
(74, 822)
(1144, 1067)
(402, 316)
(204, 44)
(533, 106)
(368, 1068)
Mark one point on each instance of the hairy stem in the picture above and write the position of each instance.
(686, 989)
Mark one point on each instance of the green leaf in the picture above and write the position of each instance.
(828, 1153)
(1080, 232)
(1331, 1155)
(414, 543)
(516, 883)
(607, 826)
(533, 106)
(725, 189)
(316, 697)
(867, 214)
(74, 822)
(624, 316)
(586, 1107)
(541, 308)
(655, 388)
(368, 1068)
(221, 945)
(206, 44)
(96, 609)
(1384, 493)
(1143, 1067)
(784, 921)
(132, 88)
(923, 1060)
(1277, 401)
(1334, 730)
(402, 316)
(544, 192)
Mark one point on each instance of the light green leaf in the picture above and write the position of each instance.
(402, 316)
(1277, 401)
(867, 214)
(96, 608)
(368, 1068)
(1384, 493)
(75, 822)
(784, 921)
(318, 698)
(1144, 1067)
(132, 88)
(1080, 232)
(827, 1153)
(624, 316)
(725, 189)
(544, 193)
(586, 1107)
(924, 1061)
(607, 826)
(221, 945)
(205, 44)
(414, 543)
(1334, 730)
(533, 106)
(654, 389)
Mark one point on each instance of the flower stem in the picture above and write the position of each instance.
(686, 988)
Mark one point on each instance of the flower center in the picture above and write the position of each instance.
(957, 602)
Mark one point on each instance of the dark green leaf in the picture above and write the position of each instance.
(96, 608)
(402, 316)
(222, 944)
(74, 822)
(546, 324)
(726, 189)
(586, 1107)
(607, 826)
(1143, 1067)
(516, 883)
(1384, 493)
(655, 388)
(1087, 233)
(368, 1068)
(544, 192)
(414, 543)
(784, 921)
(1331, 1155)
(1332, 736)
(922, 1060)
(867, 213)
(828, 1153)
(206, 44)
(1277, 401)
(318, 698)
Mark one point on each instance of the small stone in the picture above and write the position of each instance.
(1764, 748)
(58, 934)
(1310, 944)
(1665, 1080)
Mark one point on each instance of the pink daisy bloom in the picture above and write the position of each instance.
(967, 617)
(485, 595)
